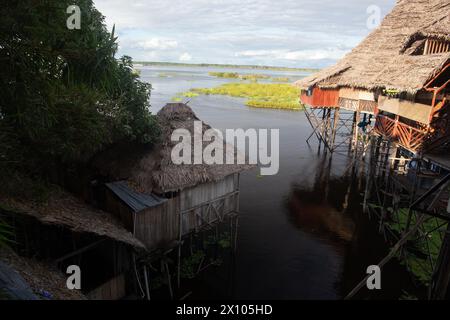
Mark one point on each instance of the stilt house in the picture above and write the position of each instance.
(159, 201)
(400, 73)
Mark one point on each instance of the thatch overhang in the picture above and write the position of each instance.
(40, 278)
(383, 60)
(63, 209)
(151, 169)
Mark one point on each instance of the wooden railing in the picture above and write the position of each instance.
(409, 137)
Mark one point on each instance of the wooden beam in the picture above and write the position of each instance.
(147, 288)
(79, 251)
(427, 46)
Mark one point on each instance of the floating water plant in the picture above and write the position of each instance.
(259, 95)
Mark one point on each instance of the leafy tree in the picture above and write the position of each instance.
(63, 94)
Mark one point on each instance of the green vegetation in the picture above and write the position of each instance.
(179, 97)
(167, 74)
(234, 75)
(249, 77)
(281, 79)
(226, 75)
(64, 96)
(259, 95)
(190, 265)
(416, 253)
(232, 66)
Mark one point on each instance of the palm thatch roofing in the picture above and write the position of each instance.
(386, 59)
(40, 277)
(150, 169)
(63, 209)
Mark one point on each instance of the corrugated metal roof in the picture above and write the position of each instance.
(136, 201)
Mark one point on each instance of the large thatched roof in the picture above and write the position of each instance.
(63, 209)
(152, 170)
(385, 58)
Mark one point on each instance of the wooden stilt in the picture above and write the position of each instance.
(236, 225)
(335, 127)
(369, 176)
(169, 280)
(356, 132)
(327, 129)
(147, 287)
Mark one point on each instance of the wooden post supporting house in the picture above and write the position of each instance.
(335, 126)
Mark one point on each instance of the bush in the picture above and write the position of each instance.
(63, 94)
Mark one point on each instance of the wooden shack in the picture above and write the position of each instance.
(161, 202)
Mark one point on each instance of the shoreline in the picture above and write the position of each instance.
(223, 66)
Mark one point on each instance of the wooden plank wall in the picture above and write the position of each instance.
(114, 289)
(157, 227)
(321, 98)
(209, 214)
(356, 94)
(206, 192)
(116, 206)
(202, 205)
(407, 109)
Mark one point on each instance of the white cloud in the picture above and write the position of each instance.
(157, 44)
(291, 33)
(185, 57)
(300, 55)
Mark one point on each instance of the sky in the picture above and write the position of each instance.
(289, 33)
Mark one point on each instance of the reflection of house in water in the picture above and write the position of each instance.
(323, 209)
(331, 211)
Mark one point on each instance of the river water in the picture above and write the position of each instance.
(302, 232)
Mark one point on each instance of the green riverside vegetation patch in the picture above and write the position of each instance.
(259, 95)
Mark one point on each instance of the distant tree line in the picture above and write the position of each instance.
(232, 66)
(64, 95)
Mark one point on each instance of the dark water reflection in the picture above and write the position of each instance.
(302, 232)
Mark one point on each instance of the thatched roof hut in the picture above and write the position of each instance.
(150, 170)
(63, 209)
(398, 54)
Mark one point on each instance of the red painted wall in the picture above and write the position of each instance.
(321, 98)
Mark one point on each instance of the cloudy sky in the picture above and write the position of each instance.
(294, 33)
